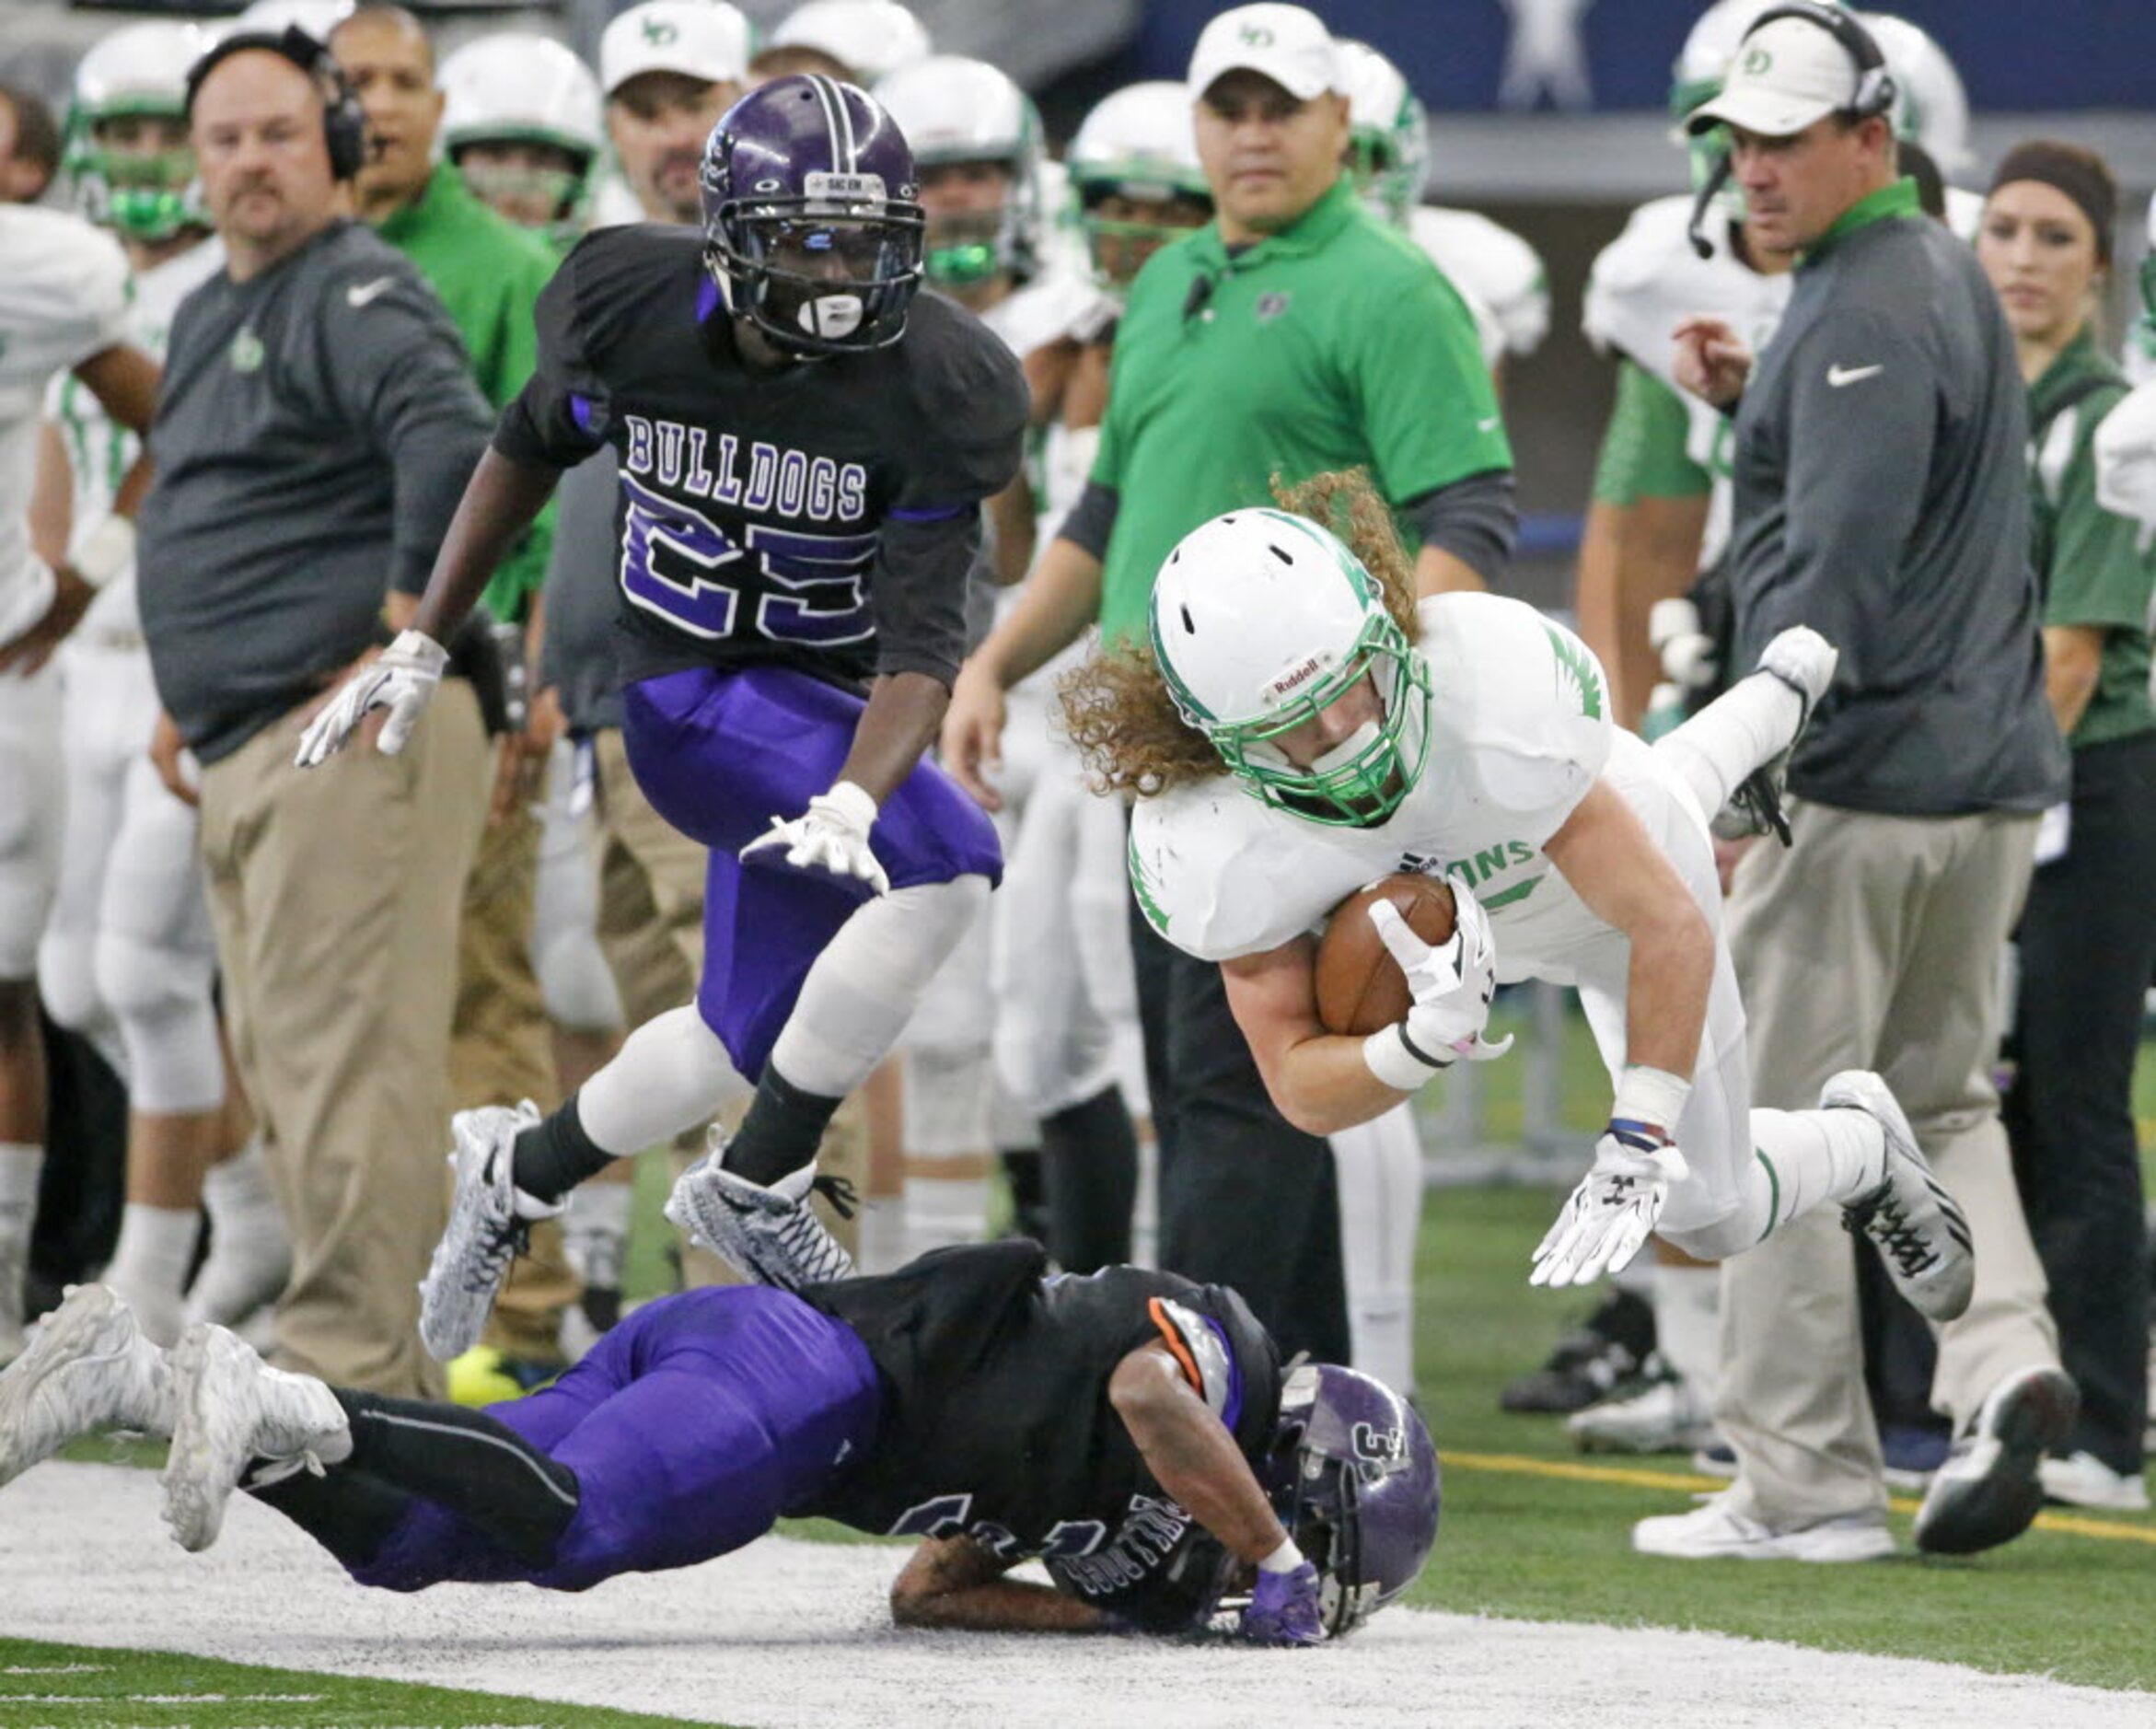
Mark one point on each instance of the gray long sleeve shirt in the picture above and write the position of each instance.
(314, 430)
(1881, 498)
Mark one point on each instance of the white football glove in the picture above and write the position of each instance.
(400, 678)
(1452, 984)
(1615, 1208)
(831, 835)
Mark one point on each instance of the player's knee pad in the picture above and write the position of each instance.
(870, 978)
(160, 997)
(67, 978)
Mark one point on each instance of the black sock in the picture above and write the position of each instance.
(1029, 1191)
(1089, 1167)
(347, 1511)
(473, 1464)
(555, 1155)
(781, 1131)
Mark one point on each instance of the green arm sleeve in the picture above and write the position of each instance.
(1643, 447)
(2098, 575)
(520, 575)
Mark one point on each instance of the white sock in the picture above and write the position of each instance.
(20, 1167)
(941, 1210)
(154, 1255)
(1687, 1325)
(1805, 1159)
(1748, 724)
(238, 1188)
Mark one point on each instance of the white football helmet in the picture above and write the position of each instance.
(515, 87)
(873, 37)
(317, 17)
(1929, 106)
(1388, 133)
(1260, 621)
(1138, 144)
(950, 109)
(138, 70)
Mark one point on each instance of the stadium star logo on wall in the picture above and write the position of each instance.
(1546, 63)
(1272, 306)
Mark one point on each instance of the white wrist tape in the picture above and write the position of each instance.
(1387, 1054)
(1286, 1559)
(1651, 1096)
(103, 551)
(853, 803)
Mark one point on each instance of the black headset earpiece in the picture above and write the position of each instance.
(344, 120)
(1875, 89)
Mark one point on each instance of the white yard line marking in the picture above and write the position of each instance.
(791, 1635)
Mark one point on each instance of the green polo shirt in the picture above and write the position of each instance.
(2087, 557)
(488, 272)
(1335, 343)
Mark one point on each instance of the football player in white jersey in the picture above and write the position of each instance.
(1302, 727)
(128, 953)
(1496, 272)
(63, 309)
(523, 121)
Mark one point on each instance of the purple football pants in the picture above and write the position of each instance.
(719, 754)
(691, 1426)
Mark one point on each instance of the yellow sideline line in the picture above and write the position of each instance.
(1519, 1464)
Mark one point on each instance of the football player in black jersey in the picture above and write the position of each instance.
(1134, 1431)
(804, 447)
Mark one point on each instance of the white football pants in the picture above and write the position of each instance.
(128, 948)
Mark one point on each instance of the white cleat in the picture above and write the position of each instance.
(1668, 1417)
(229, 1409)
(1715, 1531)
(488, 1224)
(2081, 1480)
(767, 1233)
(1919, 1231)
(87, 1368)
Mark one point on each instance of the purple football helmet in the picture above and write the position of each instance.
(1355, 1481)
(810, 223)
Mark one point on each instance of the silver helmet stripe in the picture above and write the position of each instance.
(845, 153)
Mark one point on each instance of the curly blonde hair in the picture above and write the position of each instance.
(1116, 708)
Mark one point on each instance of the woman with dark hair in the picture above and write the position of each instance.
(2088, 937)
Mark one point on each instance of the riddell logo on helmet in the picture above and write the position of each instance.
(1294, 678)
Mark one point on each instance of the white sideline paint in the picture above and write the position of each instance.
(790, 1635)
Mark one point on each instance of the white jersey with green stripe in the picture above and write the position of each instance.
(99, 451)
(1649, 279)
(1520, 730)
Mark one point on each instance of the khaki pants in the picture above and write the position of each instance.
(1874, 942)
(335, 894)
(501, 1050)
(651, 929)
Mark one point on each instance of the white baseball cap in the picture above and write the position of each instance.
(698, 38)
(1284, 44)
(1787, 73)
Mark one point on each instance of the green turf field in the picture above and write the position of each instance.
(1531, 1530)
(83, 1686)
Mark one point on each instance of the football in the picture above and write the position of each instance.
(1360, 986)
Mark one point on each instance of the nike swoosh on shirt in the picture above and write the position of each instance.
(1839, 375)
(360, 293)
